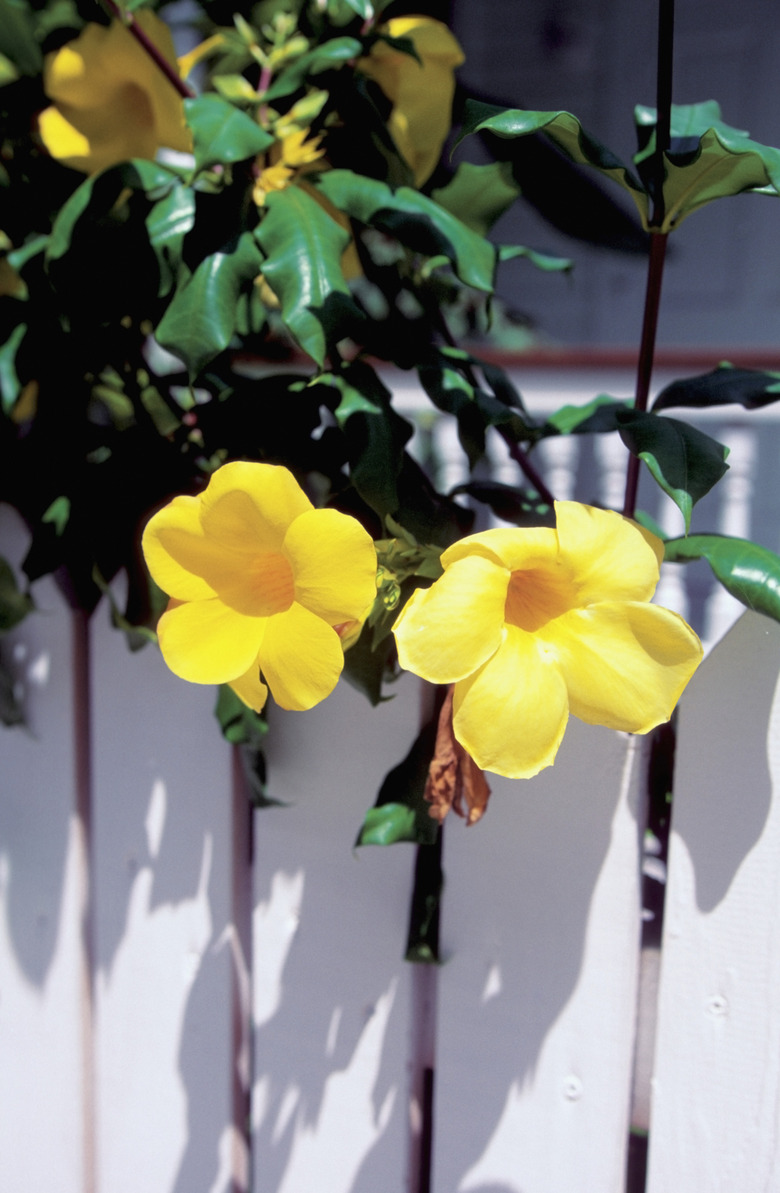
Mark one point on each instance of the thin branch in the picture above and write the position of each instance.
(148, 46)
(644, 371)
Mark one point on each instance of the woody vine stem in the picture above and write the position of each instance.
(655, 268)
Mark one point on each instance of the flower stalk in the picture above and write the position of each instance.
(148, 46)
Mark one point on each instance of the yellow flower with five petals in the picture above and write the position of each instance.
(531, 624)
(111, 101)
(264, 587)
(421, 92)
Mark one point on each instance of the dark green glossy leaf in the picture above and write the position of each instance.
(724, 386)
(707, 159)
(240, 725)
(416, 221)
(17, 36)
(103, 190)
(479, 195)
(14, 604)
(222, 133)
(10, 386)
(749, 572)
(565, 132)
(684, 461)
(401, 812)
(201, 318)
(303, 247)
(168, 223)
(334, 52)
(600, 414)
(521, 507)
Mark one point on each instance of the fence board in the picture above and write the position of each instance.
(164, 955)
(538, 989)
(333, 1001)
(44, 1006)
(716, 1105)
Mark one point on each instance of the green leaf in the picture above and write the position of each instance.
(543, 261)
(58, 515)
(416, 221)
(303, 245)
(352, 400)
(10, 386)
(707, 160)
(240, 724)
(749, 572)
(17, 36)
(684, 461)
(168, 223)
(330, 54)
(724, 386)
(478, 195)
(565, 132)
(201, 318)
(222, 133)
(521, 507)
(14, 604)
(600, 414)
(400, 812)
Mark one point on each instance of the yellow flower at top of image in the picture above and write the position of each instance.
(531, 624)
(110, 101)
(421, 92)
(265, 589)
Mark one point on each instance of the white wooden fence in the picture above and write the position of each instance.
(196, 999)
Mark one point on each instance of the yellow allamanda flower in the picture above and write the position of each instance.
(421, 92)
(265, 589)
(532, 624)
(111, 102)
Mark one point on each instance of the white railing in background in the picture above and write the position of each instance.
(198, 999)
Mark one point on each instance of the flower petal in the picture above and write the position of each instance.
(514, 548)
(250, 688)
(610, 557)
(206, 642)
(301, 658)
(248, 507)
(176, 550)
(625, 664)
(334, 563)
(511, 714)
(445, 632)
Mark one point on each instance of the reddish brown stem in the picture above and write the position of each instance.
(644, 372)
(170, 72)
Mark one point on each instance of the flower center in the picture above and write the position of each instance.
(271, 583)
(536, 596)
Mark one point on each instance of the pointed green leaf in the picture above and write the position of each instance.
(707, 160)
(14, 604)
(479, 195)
(684, 461)
(17, 36)
(330, 54)
(168, 223)
(600, 414)
(543, 261)
(303, 247)
(222, 133)
(201, 318)
(401, 813)
(10, 386)
(416, 221)
(565, 132)
(749, 572)
(724, 386)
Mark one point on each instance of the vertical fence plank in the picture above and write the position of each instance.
(44, 1016)
(538, 988)
(332, 995)
(165, 950)
(714, 1118)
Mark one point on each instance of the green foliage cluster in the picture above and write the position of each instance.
(157, 319)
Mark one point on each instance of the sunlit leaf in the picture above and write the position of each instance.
(303, 246)
(600, 414)
(416, 221)
(201, 318)
(168, 223)
(222, 133)
(749, 572)
(332, 53)
(684, 461)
